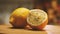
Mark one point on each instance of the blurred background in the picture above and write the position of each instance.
(52, 7)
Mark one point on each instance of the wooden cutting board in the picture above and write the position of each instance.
(49, 29)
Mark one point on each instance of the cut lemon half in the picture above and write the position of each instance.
(37, 19)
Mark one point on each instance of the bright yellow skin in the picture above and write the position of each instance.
(18, 17)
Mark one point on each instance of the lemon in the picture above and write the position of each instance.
(18, 17)
(37, 19)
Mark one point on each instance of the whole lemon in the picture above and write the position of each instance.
(18, 17)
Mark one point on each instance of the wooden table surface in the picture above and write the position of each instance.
(49, 29)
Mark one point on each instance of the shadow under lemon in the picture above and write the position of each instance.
(29, 30)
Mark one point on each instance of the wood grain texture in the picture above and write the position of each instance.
(49, 29)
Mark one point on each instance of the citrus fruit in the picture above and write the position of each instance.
(18, 17)
(37, 19)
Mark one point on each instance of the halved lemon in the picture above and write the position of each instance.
(37, 19)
